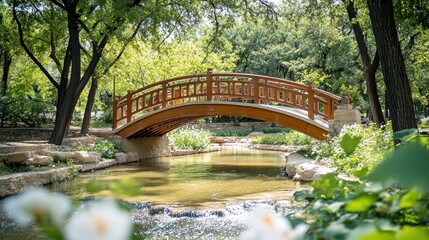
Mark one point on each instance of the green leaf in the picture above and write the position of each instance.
(336, 230)
(361, 173)
(408, 166)
(410, 199)
(404, 134)
(303, 195)
(360, 204)
(407, 233)
(93, 186)
(378, 235)
(349, 143)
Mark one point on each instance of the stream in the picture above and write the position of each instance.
(205, 196)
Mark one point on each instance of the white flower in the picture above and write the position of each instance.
(37, 204)
(269, 225)
(99, 220)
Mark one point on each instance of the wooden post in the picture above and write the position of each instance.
(209, 80)
(164, 95)
(256, 90)
(331, 109)
(310, 101)
(327, 109)
(129, 106)
(115, 113)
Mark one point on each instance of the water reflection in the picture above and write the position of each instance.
(197, 179)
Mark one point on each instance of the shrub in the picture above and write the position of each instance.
(285, 138)
(105, 147)
(189, 138)
(274, 130)
(393, 205)
(376, 143)
(230, 133)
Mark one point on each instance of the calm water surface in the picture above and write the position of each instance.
(204, 196)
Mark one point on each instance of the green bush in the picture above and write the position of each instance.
(8, 169)
(189, 138)
(274, 130)
(29, 112)
(230, 133)
(393, 205)
(286, 138)
(376, 143)
(105, 147)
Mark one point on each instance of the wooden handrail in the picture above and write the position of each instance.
(223, 86)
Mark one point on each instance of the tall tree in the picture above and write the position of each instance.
(5, 51)
(86, 27)
(394, 72)
(369, 67)
(73, 74)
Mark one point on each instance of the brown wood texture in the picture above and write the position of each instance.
(163, 121)
(217, 87)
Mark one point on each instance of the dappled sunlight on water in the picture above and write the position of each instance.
(197, 179)
(206, 196)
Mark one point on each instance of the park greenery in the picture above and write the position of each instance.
(284, 138)
(63, 62)
(189, 138)
(119, 47)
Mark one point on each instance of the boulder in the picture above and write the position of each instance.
(40, 160)
(121, 157)
(132, 157)
(303, 169)
(18, 157)
(310, 172)
(18, 182)
(87, 157)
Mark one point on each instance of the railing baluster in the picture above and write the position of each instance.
(311, 101)
(164, 95)
(115, 113)
(129, 106)
(256, 90)
(209, 80)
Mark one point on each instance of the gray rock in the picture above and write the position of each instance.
(87, 157)
(18, 157)
(302, 169)
(121, 157)
(40, 160)
(310, 172)
(283, 148)
(18, 182)
(132, 157)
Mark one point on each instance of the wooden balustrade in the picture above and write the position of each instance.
(220, 87)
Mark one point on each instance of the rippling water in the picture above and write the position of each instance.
(203, 196)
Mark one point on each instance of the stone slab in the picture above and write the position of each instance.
(18, 182)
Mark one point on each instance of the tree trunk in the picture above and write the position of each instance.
(89, 105)
(7, 61)
(369, 68)
(66, 103)
(393, 66)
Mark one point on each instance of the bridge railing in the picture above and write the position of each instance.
(221, 87)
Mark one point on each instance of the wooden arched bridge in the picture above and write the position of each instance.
(156, 109)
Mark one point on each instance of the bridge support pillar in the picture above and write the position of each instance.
(344, 115)
(147, 147)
